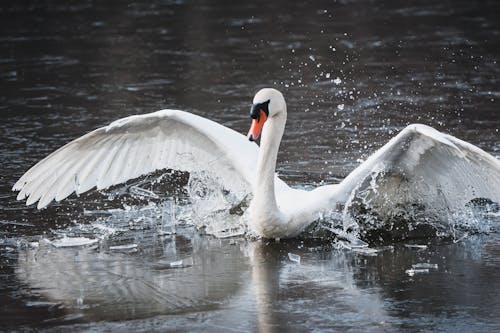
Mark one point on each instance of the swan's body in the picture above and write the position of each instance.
(419, 165)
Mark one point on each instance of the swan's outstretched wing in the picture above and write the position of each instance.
(422, 166)
(137, 145)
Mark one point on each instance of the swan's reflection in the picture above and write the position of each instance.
(245, 286)
(105, 285)
(320, 293)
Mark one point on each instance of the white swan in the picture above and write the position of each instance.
(420, 165)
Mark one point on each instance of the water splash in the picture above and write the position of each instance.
(384, 209)
(202, 202)
(215, 210)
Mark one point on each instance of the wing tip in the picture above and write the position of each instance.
(21, 195)
(18, 186)
(430, 132)
(420, 128)
(31, 200)
(42, 203)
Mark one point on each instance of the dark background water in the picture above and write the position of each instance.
(353, 74)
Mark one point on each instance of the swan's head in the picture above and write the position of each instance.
(267, 103)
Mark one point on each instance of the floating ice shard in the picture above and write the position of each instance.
(416, 246)
(367, 251)
(182, 263)
(73, 242)
(357, 243)
(123, 247)
(177, 264)
(294, 257)
(142, 192)
(413, 271)
(166, 233)
(494, 214)
(41, 304)
(424, 265)
(465, 235)
(87, 212)
(343, 245)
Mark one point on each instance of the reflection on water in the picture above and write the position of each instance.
(353, 73)
(241, 285)
(128, 285)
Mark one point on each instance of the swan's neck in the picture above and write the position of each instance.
(264, 194)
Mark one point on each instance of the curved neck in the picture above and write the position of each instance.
(266, 164)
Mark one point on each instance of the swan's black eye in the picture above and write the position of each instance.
(255, 110)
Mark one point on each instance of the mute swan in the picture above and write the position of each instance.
(420, 165)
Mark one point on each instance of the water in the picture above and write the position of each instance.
(353, 74)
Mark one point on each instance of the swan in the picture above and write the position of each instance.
(420, 165)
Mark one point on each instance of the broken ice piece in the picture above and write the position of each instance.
(73, 242)
(183, 263)
(465, 235)
(294, 257)
(87, 212)
(413, 271)
(344, 245)
(176, 264)
(142, 192)
(41, 304)
(416, 246)
(165, 233)
(123, 247)
(357, 243)
(34, 244)
(366, 251)
(424, 265)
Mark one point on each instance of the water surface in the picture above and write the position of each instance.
(353, 72)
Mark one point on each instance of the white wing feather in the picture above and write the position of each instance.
(423, 166)
(138, 145)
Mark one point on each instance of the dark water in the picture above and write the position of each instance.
(353, 74)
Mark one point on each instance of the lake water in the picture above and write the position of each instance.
(354, 73)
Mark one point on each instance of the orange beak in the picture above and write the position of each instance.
(257, 124)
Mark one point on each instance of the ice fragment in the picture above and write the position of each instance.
(141, 192)
(123, 247)
(73, 242)
(176, 264)
(413, 271)
(294, 257)
(424, 265)
(416, 246)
